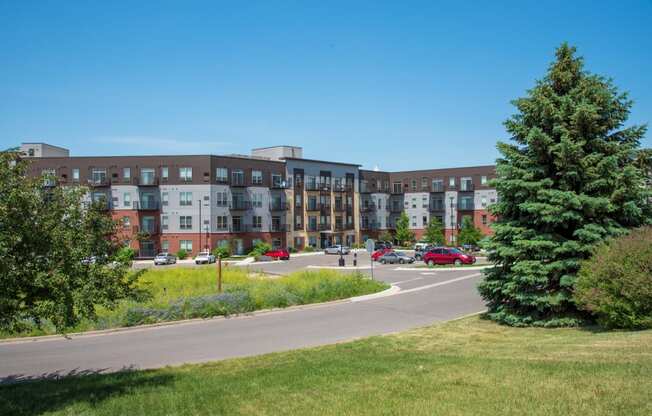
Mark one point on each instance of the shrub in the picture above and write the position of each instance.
(182, 254)
(221, 252)
(615, 285)
(308, 249)
(259, 249)
(126, 254)
(292, 250)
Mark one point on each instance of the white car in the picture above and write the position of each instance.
(337, 249)
(164, 258)
(204, 257)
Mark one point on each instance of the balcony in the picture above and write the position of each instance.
(312, 227)
(339, 227)
(298, 227)
(278, 228)
(312, 186)
(148, 229)
(465, 206)
(436, 207)
(396, 208)
(278, 185)
(99, 182)
(145, 205)
(325, 208)
(349, 226)
(343, 187)
(240, 205)
(437, 188)
(369, 207)
(278, 206)
(369, 226)
(313, 207)
(467, 187)
(339, 208)
(324, 227)
(238, 181)
(147, 181)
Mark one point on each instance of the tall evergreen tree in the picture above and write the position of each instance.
(469, 234)
(567, 182)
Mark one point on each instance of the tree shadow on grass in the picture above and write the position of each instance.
(34, 395)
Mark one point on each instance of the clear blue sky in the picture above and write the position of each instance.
(402, 85)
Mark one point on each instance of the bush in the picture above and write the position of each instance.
(221, 252)
(182, 254)
(615, 285)
(126, 254)
(292, 250)
(259, 249)
(308, 249)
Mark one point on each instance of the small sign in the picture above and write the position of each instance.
(370, 245)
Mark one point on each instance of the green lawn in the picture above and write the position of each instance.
(465, 367)
(182, 293)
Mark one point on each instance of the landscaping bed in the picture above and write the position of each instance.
(182, 293)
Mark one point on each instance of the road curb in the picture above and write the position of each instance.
(339, 267)
(442, 269)
(393, 289)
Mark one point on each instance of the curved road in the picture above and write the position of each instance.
(426, 296)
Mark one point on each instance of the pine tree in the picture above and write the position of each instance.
(469, 234)
(434, 232)
(568, 182)
(403, 232)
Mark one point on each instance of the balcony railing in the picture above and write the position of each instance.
(466, 187)
(324, 227)
(343, 187)
(298, 227)
(313, 207)
(439, 206)
(278, 206)
(465, 206)
(239, 205)
(99, 182)
(278, 228)
(396, 208)
(339, 208)
(367, 207)
(145, 205)
(371, 225)
(437, 188)
(147, 181)
(312, 227)
(325, 208)
(339, 227)
(149, 229)
(238, 181)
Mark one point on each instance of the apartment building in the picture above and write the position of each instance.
(167, 203)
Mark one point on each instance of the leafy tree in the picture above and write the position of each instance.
(567, 182)
(434, 232)
(403, 232)
(469, 234)
(58, 256)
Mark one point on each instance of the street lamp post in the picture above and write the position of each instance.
(453, 227)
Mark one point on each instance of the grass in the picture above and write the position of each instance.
(182, 293)
(465, 367)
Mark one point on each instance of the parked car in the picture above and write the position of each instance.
(418, 254)
(445, 255)
(379, 253)
(204, 257)
(337, 249)
(278, 253)
(396, 257)
(420, 246)
(164, 258)
(379, 245)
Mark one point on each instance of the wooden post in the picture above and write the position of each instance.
(219, 274)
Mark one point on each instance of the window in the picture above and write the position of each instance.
(222, 174)
(237, 223)
(164, 173)
(98, 175)
(424, 201)
(126, 222)
(185, 245)
(298, 220)
(312, 203)
(237, 177)
(126, 174)
(414, 184)
(257, 200)
(297, 200)
(451, 181)
(424, 183)
(30, 152)
(425, 221)
(437, 185)
(483, 180)
(396, 187)
(185, 198)
(147, 176)
(466, 184)
(165, 198)
(277, 180)
(185, 174)
(484, 220)
(126, 199)
(222, 222)
(466, 203)
(222, 199)
(256, 177)
(165, 222)
(185, 222)
(257, 221)
(414, 221)
(483, 201)
(75, 174)
(414, 202)
(165, 245)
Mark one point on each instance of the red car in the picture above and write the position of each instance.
(379, 253)
(278, 253)
(445, 255)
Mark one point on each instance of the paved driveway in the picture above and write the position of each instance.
(426, 296)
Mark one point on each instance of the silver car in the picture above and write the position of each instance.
(396, 257)
(164, 258)
(337, 249)
(204, 257)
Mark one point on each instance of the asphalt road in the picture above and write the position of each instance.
(426, 296)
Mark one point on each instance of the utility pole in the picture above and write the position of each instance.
(219, 274)
(201, 225)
